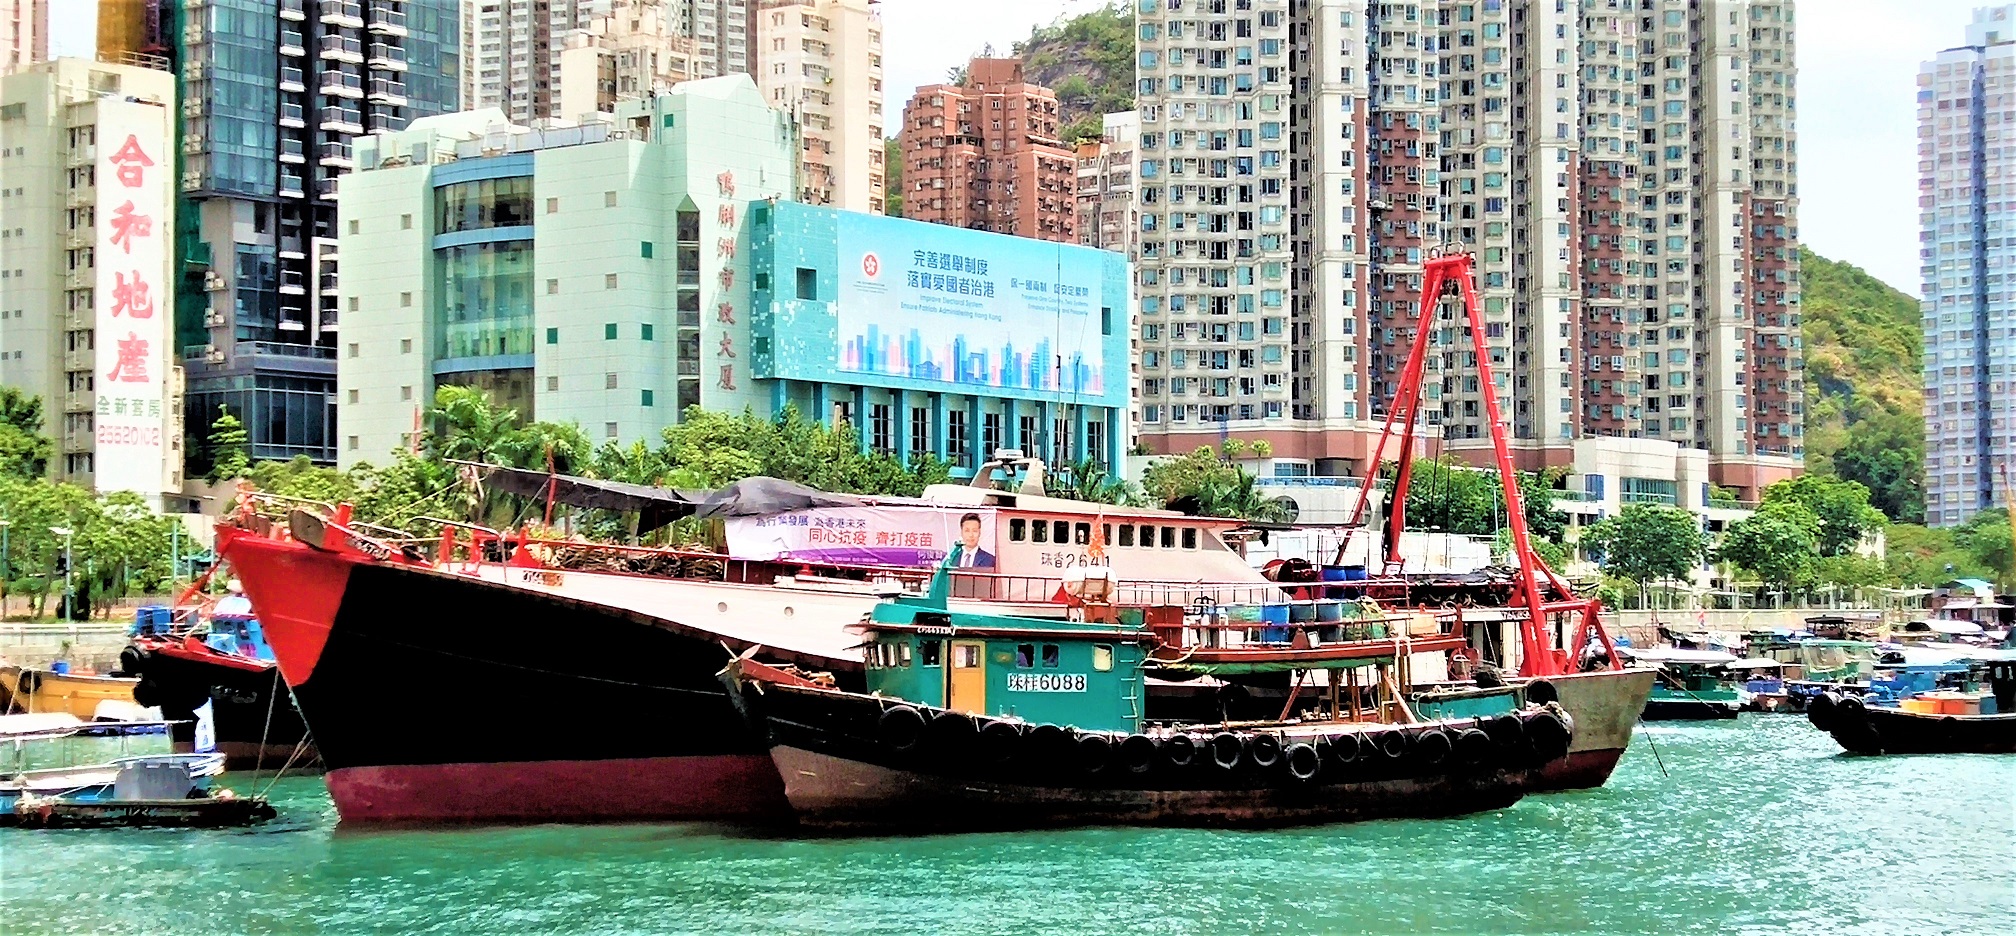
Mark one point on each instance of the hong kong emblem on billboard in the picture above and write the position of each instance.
(871, 265)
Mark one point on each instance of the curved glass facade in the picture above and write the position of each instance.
(485, 295)
(485, 203)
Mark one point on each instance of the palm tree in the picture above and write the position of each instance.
(1090, 481)
(472, 427)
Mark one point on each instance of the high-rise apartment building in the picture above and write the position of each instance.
(511, 53)
(634, 50)
(1624, 177)
(821, 62)
(1107, 218)
(985, 155)
(87, 225)
(24, 33)
(273, 92)
(723, 34)
(1969, 309)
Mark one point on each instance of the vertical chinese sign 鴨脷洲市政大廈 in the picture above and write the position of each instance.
(132, 299)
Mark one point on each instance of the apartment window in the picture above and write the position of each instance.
(609, 430)
(352, 398)
(552, 206)
(957, 441)
(609, 332)
(405, 393)
(608, 199)
(552, 336)
(646, 249)
(646, 397)
(608, 281)
(552, 287)
(353, 439)
(644, 331)
(881, 435)
(552, 384)
(353, 230)
(353, 303)
(808, 284)
(608, 381)
(405, 346)
(351, 351)
(405, 222)
(920, 430)
(405, 300)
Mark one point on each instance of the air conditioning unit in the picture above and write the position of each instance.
(213, 282)
(213, 320)
(192, 145)
(213, 354)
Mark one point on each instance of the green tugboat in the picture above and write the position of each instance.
(979, 721)
(1694, 685)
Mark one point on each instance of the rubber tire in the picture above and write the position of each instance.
(952, 739)
(1432, 748)
(1092, 752)
(1550, 734)
(1541, 692)
(1139, 754)
(900, 728)
(146, 693)
(1508, 733)
(1391, 744)
(1474, 748)
(1227, 750)
(1180, 751)
(1302, 761)
(1850, 706)
(1264, 750)
(1823, 710)
(1000, 742)
(1345, 749)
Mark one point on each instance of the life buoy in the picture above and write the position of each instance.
(1227, 750)
(1302, 760)
(1822, 709)
(1093, 752)
(1433, 747)
(1137, 754)
(1474, 747)
(1507, 732)
(1179, 750)
(1264, 750)
(1541, 692)
(899, 728)
(1000, 741)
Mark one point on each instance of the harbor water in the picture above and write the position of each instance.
(1757, 826)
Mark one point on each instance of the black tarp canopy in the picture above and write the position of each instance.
(656, 506)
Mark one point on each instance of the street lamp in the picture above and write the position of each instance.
(66, 533)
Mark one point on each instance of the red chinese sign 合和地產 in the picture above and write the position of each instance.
(130, 418)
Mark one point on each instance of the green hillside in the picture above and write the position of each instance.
(1088, 60)
(1863, 386)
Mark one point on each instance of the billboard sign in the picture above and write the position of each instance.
(917, 537)
(969, 309)
(133, 297)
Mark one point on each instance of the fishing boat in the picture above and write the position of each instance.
(87, 696)
(1949, 706)
(974, 721)
(25, 790)
(220, 657)
(1693, 685)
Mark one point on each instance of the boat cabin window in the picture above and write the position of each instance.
(1147, 537)
(1082, 534)
(1025, 656)
(965, 655)
(903, 654)
(1126, 534)
(1050, 656)
(1102, 657)
(1039, 532)
(1060, 531)
(1189, 537)
(927, 653)
(888, 655)
(1018, 530)
(1106, 533)
(1168, 537)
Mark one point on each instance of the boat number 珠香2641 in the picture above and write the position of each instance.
(1046, 682)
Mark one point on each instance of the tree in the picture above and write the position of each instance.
(470, 427)
(892, 173)
(1985, 539)
(24, 450)
(1923, 557)
(1088, 480)
(1206, 484)
(1648, 543)
(1840, 508)
(228, 448)
(1778, 544)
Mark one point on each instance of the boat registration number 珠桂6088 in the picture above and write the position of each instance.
(1046, 682)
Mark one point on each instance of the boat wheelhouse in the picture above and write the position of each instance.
(1693, 684)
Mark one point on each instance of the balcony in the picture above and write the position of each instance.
(290, 186)
(341, 120)
(294, 10)
(342, 13)
(342, 84)
(387, 57)
(388, 91)
(290, 116)
(336, 155)
(291, 80)
(387, 20)
(293, 151)
(342, 49)
(293, 283)
(292, 44)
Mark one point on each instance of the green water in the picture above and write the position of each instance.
(1760, 826)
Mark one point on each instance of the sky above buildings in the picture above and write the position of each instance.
(1858, 64)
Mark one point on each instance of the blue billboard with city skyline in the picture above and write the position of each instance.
(968, 308)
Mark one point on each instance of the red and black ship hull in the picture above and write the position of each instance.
(434, 697)
(253, 719)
